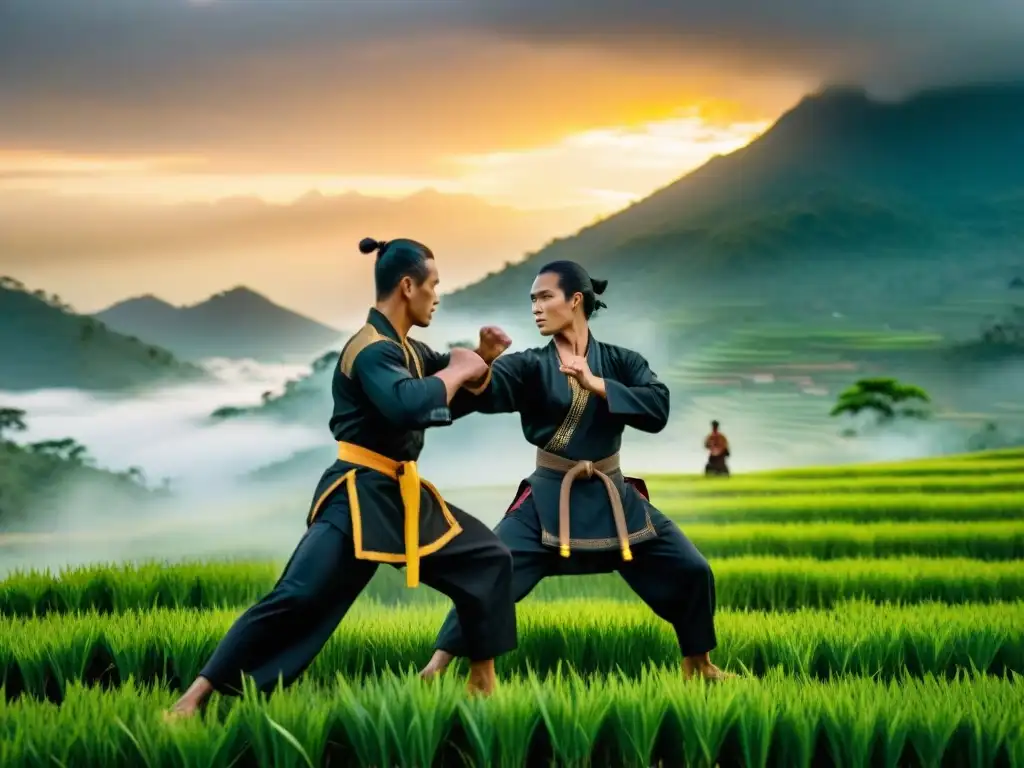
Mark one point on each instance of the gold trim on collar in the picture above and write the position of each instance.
(407, 345)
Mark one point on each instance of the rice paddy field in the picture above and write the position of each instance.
(874, 615)
(772, 382)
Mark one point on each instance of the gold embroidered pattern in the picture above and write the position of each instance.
(644, 534)
(565, 431)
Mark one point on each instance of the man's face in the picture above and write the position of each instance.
(422, 298)
(552, 309)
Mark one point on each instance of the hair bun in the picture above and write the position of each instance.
(599, 285)
(369, 245)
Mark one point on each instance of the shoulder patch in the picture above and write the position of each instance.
(363, 338)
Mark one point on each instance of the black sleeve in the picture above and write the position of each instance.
(639, 398)
(502, 390)
(404, 400)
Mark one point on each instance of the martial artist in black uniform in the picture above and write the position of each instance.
(371, 506)
(577, 514)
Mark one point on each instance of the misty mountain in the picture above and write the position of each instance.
(302, 399)
(47, 345)
(843, 199)
(238, 323)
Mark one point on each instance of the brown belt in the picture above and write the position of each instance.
(574, 469)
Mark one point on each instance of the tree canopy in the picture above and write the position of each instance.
(883, 397)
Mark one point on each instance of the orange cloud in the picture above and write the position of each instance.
(364, 111)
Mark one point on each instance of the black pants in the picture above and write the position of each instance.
(282, 633)
(667, 573)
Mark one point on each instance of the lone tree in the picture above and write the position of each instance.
(10, 284)
(12, 420)
(136, 475)
(1008, 332)
(882, 397)
(67, 448)
(325, 361)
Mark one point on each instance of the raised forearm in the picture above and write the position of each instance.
(454, 377)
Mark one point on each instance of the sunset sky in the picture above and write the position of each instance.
(562, 110)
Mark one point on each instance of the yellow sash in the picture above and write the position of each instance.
(409, 482)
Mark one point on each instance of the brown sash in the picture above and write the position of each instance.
(574, 469)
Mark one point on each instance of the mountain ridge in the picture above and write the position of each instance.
(942, 168)
(235, 323)
(55, 347)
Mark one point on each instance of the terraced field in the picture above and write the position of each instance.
(773, 383)
(874, 613)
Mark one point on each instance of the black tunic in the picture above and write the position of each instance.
(559, 416)
(383, 403)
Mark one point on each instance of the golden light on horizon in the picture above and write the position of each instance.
(112, 210)
(600, 169)
(604, 167)
(57, 163)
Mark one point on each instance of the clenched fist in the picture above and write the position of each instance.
(493, 341)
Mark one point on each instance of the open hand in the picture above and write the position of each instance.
(577, 367)
(493, 341)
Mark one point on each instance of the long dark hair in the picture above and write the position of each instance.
(572, 278)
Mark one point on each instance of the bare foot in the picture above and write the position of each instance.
(178, 713)
(190, 702)
(482, 680)
(438, 663)
(701, 666)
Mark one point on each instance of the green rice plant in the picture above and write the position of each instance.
(123, 586)
(998, 453)
(43, 657)
(636, 721)
(747, 582)
(754, 582)
(704, 721)
(573, 718)
(853, 507)
(562, 720)
(1011, 464)
(990, 540)
(703, 487)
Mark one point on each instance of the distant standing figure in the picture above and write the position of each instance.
(718, 451)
